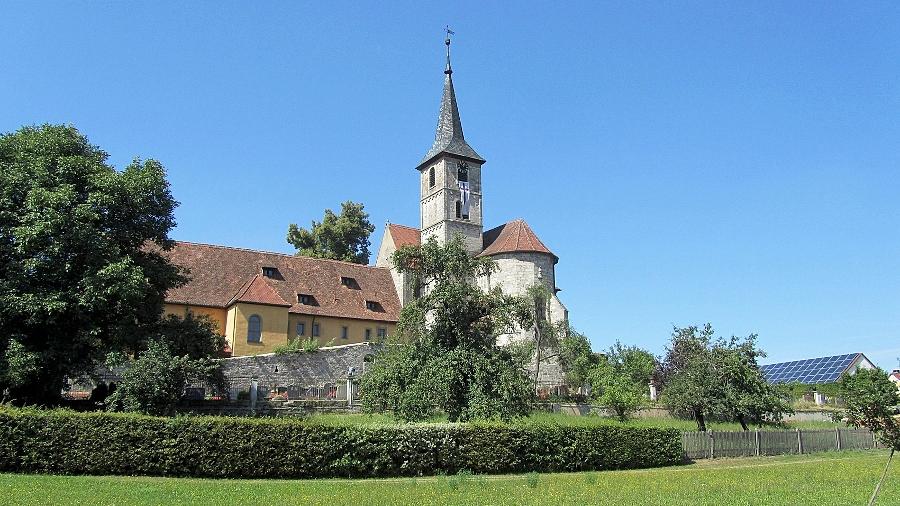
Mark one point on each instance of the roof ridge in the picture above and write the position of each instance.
(403, 226)
(519, 234)
(277, 253)
(242, 290)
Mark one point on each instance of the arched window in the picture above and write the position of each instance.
(431, 177)
(254, 329)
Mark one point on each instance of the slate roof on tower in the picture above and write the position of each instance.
(448, 138)
(513, 237)
(221, 276)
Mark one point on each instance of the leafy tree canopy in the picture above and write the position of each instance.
(181, 351)
(576, 357)
(191, 336)
(338, 237)
(620, 380)
(689, 376)
(871, 399)
(706, 376)
(450, 360)
(76, 277)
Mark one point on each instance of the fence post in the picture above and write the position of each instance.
(757, 442)
(712, 445)
(874, 441)
(799, 442)
(837, 437)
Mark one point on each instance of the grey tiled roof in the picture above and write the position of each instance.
(449, 135)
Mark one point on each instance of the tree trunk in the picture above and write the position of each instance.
(537, 355)
(878, 487)
(701, 423)
(743, 422)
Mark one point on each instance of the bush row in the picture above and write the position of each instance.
(66, 442)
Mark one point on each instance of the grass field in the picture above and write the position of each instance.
(571, 421)
(837, 478)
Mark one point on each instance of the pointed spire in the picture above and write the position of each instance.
(448, 137)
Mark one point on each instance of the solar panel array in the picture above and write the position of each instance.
(809, 371)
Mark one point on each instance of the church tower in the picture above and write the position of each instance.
(450, 178)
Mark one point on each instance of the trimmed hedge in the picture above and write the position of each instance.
(66, 442)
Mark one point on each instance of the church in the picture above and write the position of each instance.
(451, 204)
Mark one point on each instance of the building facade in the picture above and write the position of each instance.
(261, 300)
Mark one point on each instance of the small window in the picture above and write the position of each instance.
(270, 272)
(458, 209)
(349, 282)
(368, 334)
(462, 172)
(344, 331)
(304, 298)
(431, 177)
(382, 332)
(301, 329)
(372, 305)
(315, 330)
(254, 329)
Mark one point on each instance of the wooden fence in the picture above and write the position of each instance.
(713, 444)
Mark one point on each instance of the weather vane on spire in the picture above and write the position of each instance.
(450, 32)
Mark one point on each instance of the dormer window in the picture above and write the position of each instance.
(372, 305)
(305, 298)
(349, 282)
(270, 272)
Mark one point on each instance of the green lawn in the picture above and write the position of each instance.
(570, 420)
(837, 478)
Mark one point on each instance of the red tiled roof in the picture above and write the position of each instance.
(404, 236)
(222, 275)
(513, 237)
(258, 291)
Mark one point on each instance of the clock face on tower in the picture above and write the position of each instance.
(462, 171)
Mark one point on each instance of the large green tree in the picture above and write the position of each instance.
(447, 358)
(688, 375)
(707, 376)
(747, 396)
(77, 278)
(338, 237)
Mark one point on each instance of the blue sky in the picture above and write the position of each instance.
(735, 163)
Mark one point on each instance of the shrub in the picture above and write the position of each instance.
(65, 442)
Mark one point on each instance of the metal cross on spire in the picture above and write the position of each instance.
(450, 32)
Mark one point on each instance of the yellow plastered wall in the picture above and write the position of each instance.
(274, 328)
(216, 314)
(330, 329)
